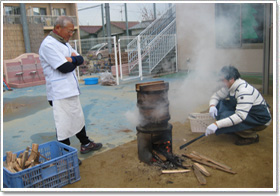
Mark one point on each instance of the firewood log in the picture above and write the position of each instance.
(201, 179)
(201, 169)
(34, 152)
(211, 160)
(20, 155)
(14, 157)
(32, 164)
(11, 169)
(16, 166)
(19, 162)
(9, 156)
(193, 158)
(174, 171)
(24, 159)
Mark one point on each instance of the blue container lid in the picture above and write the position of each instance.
(89, 81)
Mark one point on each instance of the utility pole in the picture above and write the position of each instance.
(102, 16)
(108, 25)
(25, 28)
(126, 21)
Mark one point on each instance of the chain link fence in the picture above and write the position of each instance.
(98, 53)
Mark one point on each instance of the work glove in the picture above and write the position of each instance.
(211, 129)
(213, 111)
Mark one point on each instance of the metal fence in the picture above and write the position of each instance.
(47, 21)
(99, 54)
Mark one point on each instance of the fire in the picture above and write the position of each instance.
(168, 146)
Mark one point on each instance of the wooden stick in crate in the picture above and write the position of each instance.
(24, 159)
(9, 156)
(34, 152)
(15, 163)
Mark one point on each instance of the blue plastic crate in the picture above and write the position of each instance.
(61, 169)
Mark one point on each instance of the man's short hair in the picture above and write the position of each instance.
(63, 21)
(229, 72)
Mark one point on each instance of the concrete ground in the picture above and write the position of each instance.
(28, 118)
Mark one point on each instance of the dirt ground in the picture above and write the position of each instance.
(121, 168)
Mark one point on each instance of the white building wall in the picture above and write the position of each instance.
(197, 42)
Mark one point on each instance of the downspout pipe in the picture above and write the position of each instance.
(25, 28)
(266, 51)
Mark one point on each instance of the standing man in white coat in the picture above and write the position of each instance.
(59, 61)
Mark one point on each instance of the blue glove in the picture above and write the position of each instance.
(211, 129)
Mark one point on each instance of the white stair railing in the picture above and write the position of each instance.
(162, 45)
(147, 36)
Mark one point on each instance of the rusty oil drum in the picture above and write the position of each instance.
(152, 102)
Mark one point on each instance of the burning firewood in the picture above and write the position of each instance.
(159, 156)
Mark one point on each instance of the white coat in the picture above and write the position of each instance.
(62, 88)
(52, 55)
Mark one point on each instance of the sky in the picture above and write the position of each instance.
(92, 16)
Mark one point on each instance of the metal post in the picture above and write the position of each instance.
(126, 21)
(266, 50)
(155, 13)
(102, 16)
(116, 60)
(139, 57)
(25, 28)
(120, 56)
(78, 70)
(108, 25)
(176, 52)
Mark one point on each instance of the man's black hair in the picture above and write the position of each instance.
(229, 72)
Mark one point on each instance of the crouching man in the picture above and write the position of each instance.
(239, 108)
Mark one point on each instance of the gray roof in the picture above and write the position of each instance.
(141, 25)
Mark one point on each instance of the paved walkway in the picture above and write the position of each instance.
(28, 118)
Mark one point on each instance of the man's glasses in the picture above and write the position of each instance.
(71, 32)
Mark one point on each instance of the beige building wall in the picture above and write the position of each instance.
(197, 42)
(13, 42)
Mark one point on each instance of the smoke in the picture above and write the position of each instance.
(191, 95)
(133, 117)
(198, 33)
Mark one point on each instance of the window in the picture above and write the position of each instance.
(239, 24)
(11, 10)
(39, 11)
(59, 11)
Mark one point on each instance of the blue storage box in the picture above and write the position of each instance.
(89, 81)
(61, 169)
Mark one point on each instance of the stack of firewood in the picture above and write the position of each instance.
(29, 158)
(200, 171)
(198, 168)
